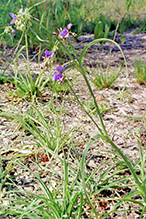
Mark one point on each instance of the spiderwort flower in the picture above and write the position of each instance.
(47, 60)
(22, 18)
(9, 30)
(69, 25)
(64, 33)
(21, 11)
(13, 31)
(60, 68)
(14, 18)
(57, 76)
(49, 54)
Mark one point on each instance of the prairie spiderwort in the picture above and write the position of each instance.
(47, 60)
(13, 31)
(9, 30)
(21, 11)
(14, 18)
(49, 54)
(60, 68)
(57, 76)
(64, 33)
(69, 25)
(21, 18)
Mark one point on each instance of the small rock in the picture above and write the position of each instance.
(100, 98)
(91, 164)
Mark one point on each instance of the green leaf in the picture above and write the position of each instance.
(98, 31)
(107, 28)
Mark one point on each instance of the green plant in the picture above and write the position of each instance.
(123, 95)
(91, 107)
(2, 79)
(7, 176)
(104, 78)
(114, 181)
(25, 84)
(46, 133)
(78, 64)
(140, 71)
(29, 87)
(100, 31)
(77, 185)
(64, 196)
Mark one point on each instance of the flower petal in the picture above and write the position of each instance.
(12, 15)
(63, 68)
(12, 21)
(49, 54)
(64, 33)
(21, 11)
(57, 76)
(69, 25)
(59, 68)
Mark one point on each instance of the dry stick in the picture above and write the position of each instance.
(65, 12)
(37, 12)
(116, 30)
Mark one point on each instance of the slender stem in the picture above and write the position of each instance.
(96, 105)
(85, 109)
(27, 55)
(82, 71)
(74, 51)
(104, 39)
(141, 157)
(144, 209)
(108, 140)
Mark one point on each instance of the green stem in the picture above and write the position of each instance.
(79, 67)
(85, 109)
(29, 79)
(97, 41)
(27, 55)
(108, 140)
(96, 105)
(19, 42)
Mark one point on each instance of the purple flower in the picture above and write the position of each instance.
(60, 68)
(69, 25)
(64, 33)
(49, 54)
(13, 31)
(21, 11)
(57, 76)
(14, 18)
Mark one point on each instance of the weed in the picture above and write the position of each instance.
(104, 78)
(124, 95)
(140, 71)
(90, 106)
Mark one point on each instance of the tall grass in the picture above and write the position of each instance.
(51, 15)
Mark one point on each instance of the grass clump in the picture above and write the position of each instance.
(140, 71)
(105, 77)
